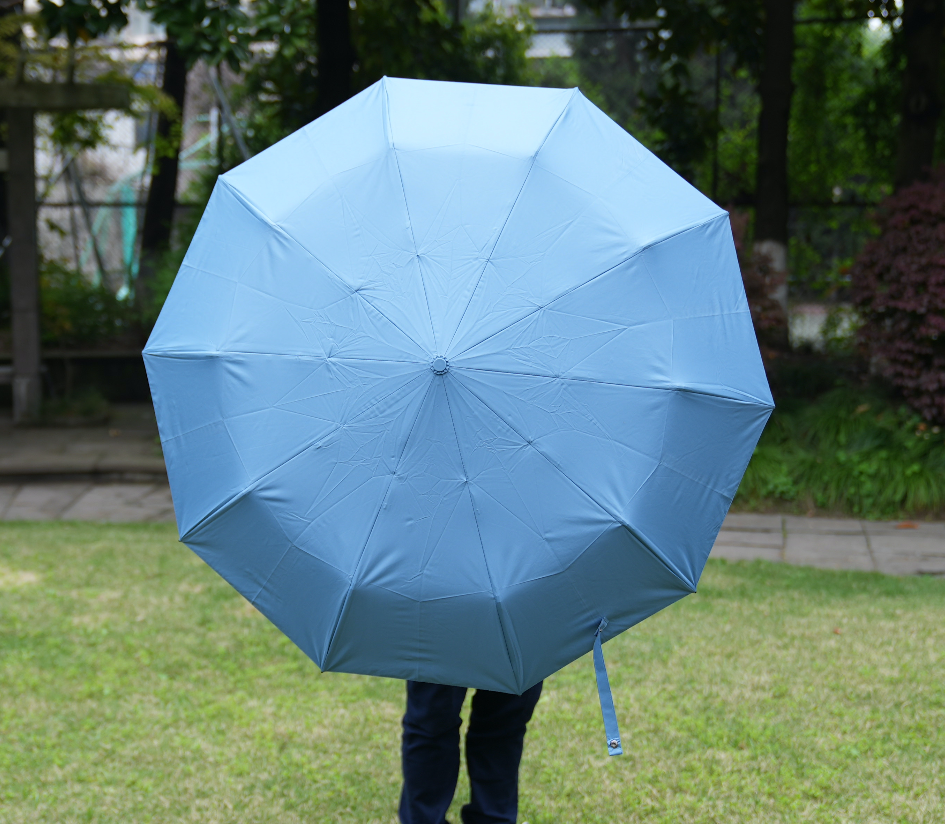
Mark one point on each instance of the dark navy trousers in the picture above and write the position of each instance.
(430, 753)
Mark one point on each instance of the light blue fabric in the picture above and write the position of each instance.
(451, 373)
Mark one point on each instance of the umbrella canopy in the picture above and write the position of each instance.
(453, 377)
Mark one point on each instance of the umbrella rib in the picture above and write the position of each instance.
(368, 408)
(485, 561)
(563, 567)
(403, 191)
(498, 237)
(640, 251)
(256, 482)
(186, 354)
(283, 300)
(377, 514)
(617, 383)
(253, 210)
(636, 534)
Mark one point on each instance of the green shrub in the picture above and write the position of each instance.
(77, 312)
(850, 451)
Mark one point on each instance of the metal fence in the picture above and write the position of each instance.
(91, 203)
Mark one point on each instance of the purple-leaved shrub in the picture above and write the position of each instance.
(898, 287)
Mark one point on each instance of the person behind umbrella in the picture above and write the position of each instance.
(430, 753)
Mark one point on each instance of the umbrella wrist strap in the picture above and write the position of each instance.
(606, 697)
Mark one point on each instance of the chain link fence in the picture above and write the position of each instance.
(91, 203)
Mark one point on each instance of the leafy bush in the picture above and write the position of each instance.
(76, 312)
(399, 38)
(850, 451)
(899, 291)
(85, 407)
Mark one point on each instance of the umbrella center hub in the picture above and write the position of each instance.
(439, 365)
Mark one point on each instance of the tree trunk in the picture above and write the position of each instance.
(922, 24)
(24, 276)
(335, 54)
(771, 187)
(159, 208)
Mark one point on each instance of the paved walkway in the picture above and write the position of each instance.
(896, 548)
(115, 473)
(127, 448)
(85, 501)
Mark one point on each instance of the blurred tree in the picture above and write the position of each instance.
(82, 19)
(404, 38)
(419, 38)
(755, 42)
(215, 31)
(922, 28)
(336, 56)
(771, 188)
(680, 45)
(831, 156)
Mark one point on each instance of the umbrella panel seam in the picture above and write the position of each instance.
(315, 417)
(642, 250)
(282, 300)
(518, 677)
(253, 210)
(509, 215)
(602, 431)
(748, 400)
(669, 566)
(357, 566)
(257, 481)
(196, 354)
(563, 567)
(403, 191)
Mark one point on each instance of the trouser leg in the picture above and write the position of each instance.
(494, 744)
(430, 752)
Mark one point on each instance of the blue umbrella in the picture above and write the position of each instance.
(457, 382)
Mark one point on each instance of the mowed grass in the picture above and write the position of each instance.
(136, 686)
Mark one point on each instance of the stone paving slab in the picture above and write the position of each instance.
(904, 528)
(830, 551)
(107, 503)
(42, 502)
(822, 526)
(127, 446)
(753, 521)
(122, 502)
(901, 554)
(773, 540)
(747, 553)
(831, 543)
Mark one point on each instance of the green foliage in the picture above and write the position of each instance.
(418, 38)
(83, 19)
(849, 451)
(215, 31)
(683, 127)
(401, 38)
(73, 131)
(825, 241)
(831, 156)
(660, 86)
(137, 686)
(280, 84)
(86, 407)
(76, 312)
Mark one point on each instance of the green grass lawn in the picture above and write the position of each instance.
(136, 686)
